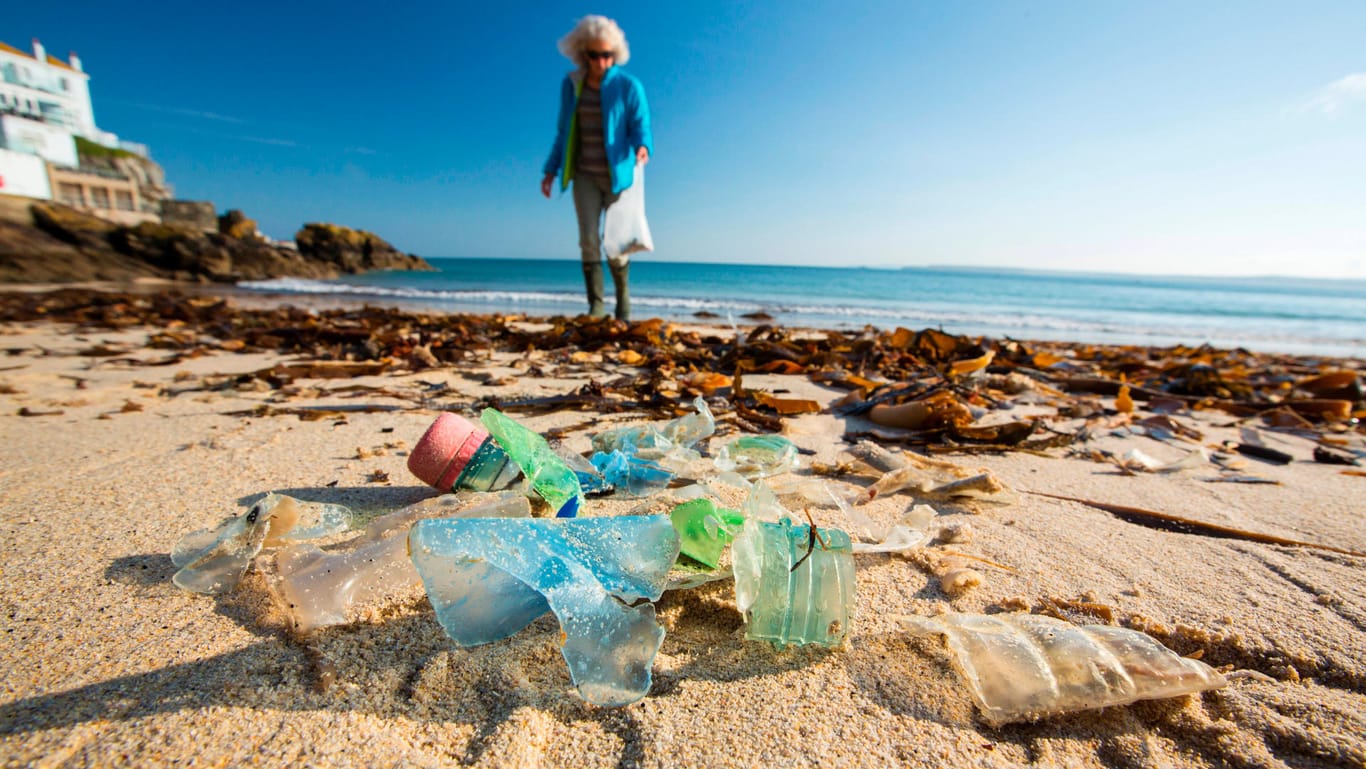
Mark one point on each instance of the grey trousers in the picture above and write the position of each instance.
(592, 197)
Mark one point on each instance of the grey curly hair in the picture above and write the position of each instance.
(589, 29)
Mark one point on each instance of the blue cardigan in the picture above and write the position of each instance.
(625, 126)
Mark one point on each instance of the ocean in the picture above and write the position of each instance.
(1302, 316)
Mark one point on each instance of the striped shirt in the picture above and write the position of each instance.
(592, 158)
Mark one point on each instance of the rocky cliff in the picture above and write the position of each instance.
(54, 243)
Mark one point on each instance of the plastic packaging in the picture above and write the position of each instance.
(792, 587)
(625, 230)
(1024, 666)
(456, 453)
(758, 456)
(213, 560)
(591, 480)
(669, 444)
(554, 480)
(632, 474)
(704, 529)
(317, 588)
(489, 578)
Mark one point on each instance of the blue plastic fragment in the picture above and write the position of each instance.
(489, 578)
(630, 472)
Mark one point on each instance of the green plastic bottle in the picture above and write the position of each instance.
(809, 604)
(549, 475)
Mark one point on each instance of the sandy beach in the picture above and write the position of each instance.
(122, 435)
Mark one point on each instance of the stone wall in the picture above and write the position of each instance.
(194, 214)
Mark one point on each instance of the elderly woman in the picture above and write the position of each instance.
(603, 132)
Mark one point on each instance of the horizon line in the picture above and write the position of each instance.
(948, 267)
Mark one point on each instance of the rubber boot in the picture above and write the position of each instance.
(592, 281)
(619, 277)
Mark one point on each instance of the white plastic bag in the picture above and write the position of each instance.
(625, 230)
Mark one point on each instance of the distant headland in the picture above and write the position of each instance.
(77, 203)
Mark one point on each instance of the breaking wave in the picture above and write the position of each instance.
(1084, 324)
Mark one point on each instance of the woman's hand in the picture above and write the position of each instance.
(547, 184)
(642, 156)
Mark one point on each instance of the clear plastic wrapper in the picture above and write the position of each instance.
(213, 560)
(758, 456)
(1024, 666)
(317, 588)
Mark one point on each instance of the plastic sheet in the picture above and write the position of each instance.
(317, 588)
(758, 456)
(213, 560)
(631, 474)
(704, 529)
(489, 578)
(552, 479)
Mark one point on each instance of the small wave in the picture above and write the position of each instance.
(323, 288)
(1141, 327)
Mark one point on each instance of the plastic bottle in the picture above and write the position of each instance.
(456, 453)
(554, 480)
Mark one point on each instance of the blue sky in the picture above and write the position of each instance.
(1159, 137)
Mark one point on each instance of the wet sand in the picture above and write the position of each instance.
(107, 663)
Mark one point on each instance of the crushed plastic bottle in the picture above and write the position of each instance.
(1025, 666)
(758, 456)
(704, 529)
(638, 477)
(489, 578)
(456, 454)
(549, 475)
(213, 560)
(793, 588)
(317, 588)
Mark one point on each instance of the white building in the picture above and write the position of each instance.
(44, 105)
(45, 89)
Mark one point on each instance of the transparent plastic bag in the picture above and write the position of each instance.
(625, 230)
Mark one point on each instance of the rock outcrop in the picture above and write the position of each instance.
(235, 224)
(353, 250)
(62, 244)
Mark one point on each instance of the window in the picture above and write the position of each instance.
(99, 197)
(65, 85)
(123, 200)
(70, 194)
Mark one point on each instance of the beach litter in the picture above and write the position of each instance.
(757, 456)
(455, 453)
(547, 473)
(213, 560)
(489, 576)
(704, 529)
(1021, 667)
(793, 584)
(317, 588)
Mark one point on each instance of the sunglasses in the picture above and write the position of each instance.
(599, 55)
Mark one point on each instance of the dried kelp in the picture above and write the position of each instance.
(934, 385)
